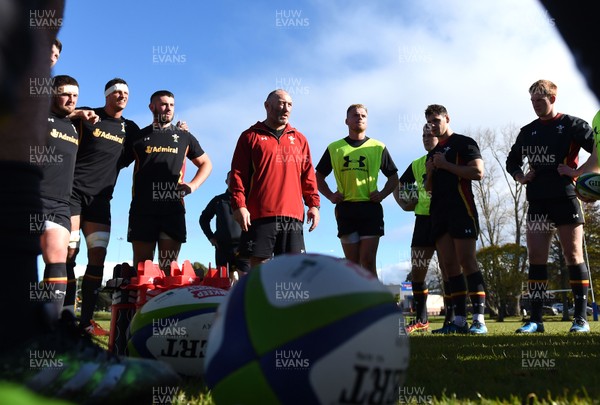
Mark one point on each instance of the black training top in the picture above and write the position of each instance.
(57, 159)
(546, 144)
(408, 177)
(100, 149)
(450, 193)
(159, 156)
(228, 231)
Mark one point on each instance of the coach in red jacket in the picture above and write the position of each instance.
(272, 178)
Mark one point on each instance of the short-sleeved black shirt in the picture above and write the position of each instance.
(546, 144)
(100, 149)
(450, 193)
(160, 161)
(57, 159)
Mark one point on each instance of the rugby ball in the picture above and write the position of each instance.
(173, 327)
(307, 329)
(588, 186)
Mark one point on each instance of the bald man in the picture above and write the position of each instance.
(272, 179)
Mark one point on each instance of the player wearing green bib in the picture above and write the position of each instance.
(411, 188)
(356, 161)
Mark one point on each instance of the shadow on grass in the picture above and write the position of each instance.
(503, 366)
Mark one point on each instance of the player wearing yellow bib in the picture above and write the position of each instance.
(356, 161)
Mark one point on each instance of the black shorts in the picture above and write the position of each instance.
(227, 253)
(53, 211)
(272, 236)
(422, 236)
(147, 228)
(364, 218)
(560, 211)
(91, 208)
(457, 223)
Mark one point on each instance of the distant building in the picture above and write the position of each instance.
(435, 302)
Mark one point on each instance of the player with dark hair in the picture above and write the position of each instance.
(411, 188)
(55, 52)
(157, 212)
(271, 175)
(356, 161)
(96, 173)
(551, 145)
(49, 357)
(451, 167)
(57, 160)
(226, 237)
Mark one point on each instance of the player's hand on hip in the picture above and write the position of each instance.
(376, 196)
(336, 198)
(185, 189)
(565, 170)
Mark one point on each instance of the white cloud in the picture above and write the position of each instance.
(394, 273)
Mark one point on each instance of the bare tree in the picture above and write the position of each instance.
(516, 189)
(502, 210)
(490, 200)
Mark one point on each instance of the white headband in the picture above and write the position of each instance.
(115, 87)
(68, 89)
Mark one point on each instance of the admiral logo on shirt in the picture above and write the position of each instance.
(57, 134)
(101, 134)
(161, 149)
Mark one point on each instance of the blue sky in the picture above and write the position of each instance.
(221, 59)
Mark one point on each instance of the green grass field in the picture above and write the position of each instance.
(499, 368)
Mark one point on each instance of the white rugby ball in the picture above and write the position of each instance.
(173, 327)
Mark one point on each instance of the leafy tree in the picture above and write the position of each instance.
(504, 270)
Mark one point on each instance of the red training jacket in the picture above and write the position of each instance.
(271, 177)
